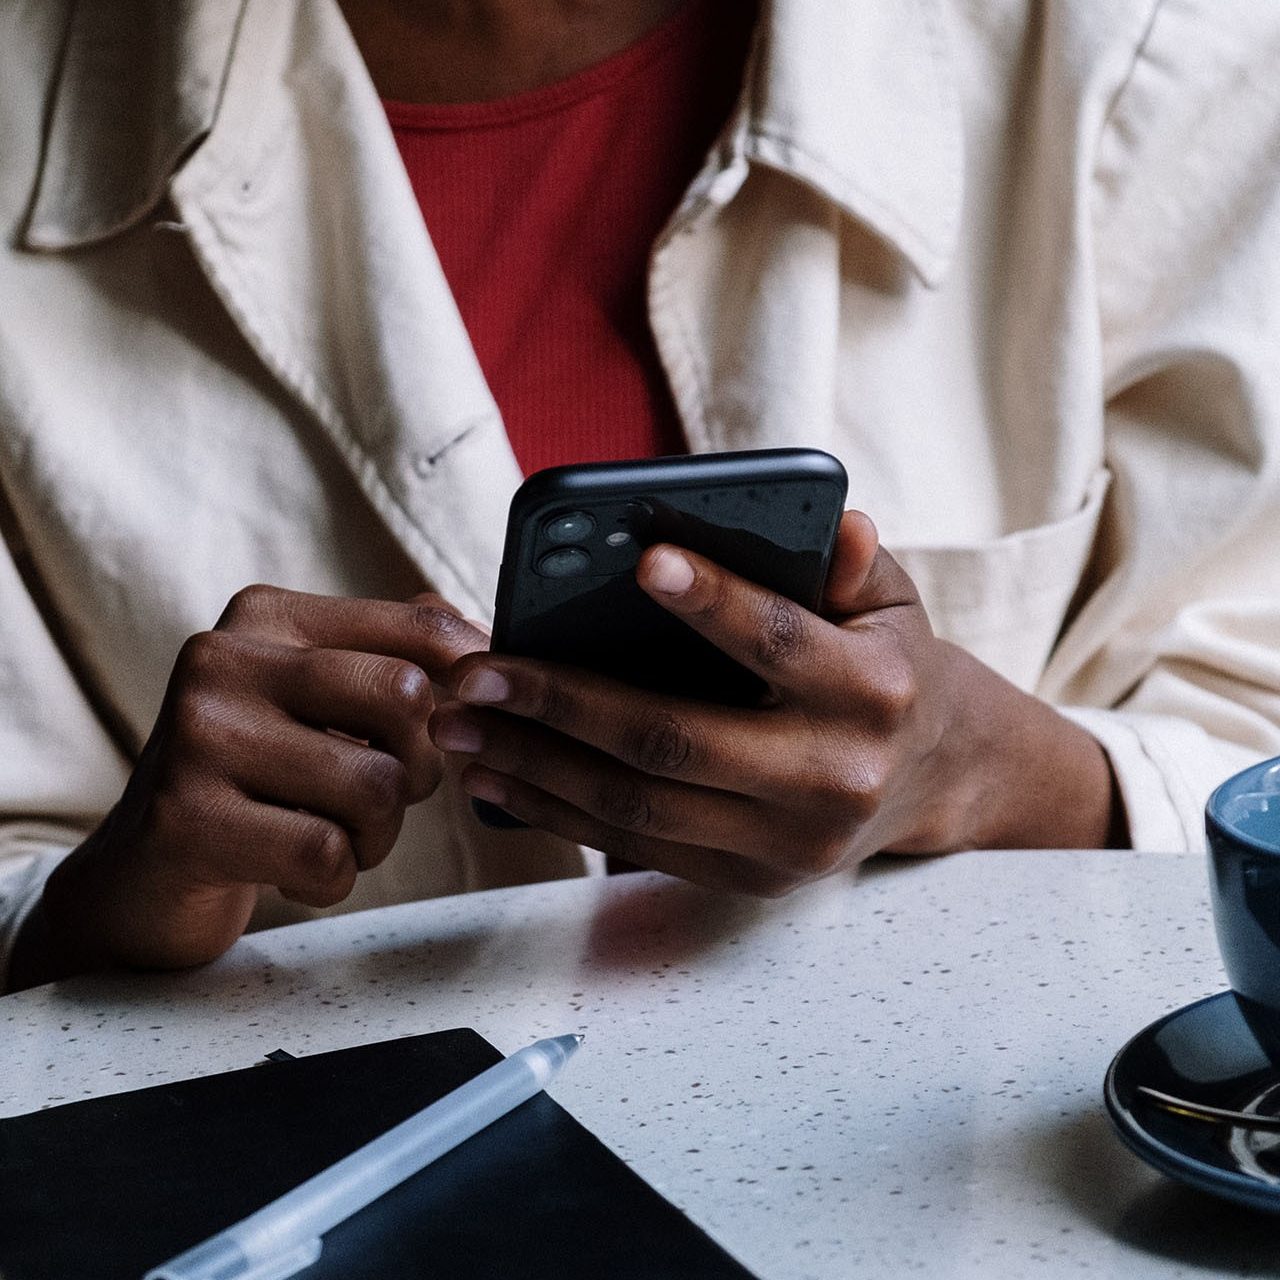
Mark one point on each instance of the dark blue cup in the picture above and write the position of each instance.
(1242, 820)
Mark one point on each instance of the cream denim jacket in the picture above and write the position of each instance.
(1016, 262)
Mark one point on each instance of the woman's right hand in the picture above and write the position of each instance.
(291, 738)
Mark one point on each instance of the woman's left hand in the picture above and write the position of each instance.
(876, 736)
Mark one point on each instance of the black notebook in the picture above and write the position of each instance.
(106, 1188)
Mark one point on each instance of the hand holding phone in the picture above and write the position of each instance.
(875, 735)
(567, 590)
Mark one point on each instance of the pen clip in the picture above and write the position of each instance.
(283, 1265)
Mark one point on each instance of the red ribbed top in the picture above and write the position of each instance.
(544, 208)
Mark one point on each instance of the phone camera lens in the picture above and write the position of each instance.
(573, 526)
(564, 562)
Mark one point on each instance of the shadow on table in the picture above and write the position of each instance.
(655, 918)
(658, 919)
(1086, 1166)
(650, 921)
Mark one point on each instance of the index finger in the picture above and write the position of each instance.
(426, 631)
(769, 634)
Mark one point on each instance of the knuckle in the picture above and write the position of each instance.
(549, 703)
(438, 619)
(249, 605)
(895, 696)
(624, 804)
(202, 659)
(848, 794)
(780, 634)
(663, 745)
(197, 723)
(304, 667)
(864, 801)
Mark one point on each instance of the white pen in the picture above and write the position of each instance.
(284, 1236)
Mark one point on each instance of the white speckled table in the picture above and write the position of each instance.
(896, 1076)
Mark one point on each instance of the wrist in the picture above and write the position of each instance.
(47, 947)
(100, 909)
(1024, 776)
(70, 925)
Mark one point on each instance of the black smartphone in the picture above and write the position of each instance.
(567, 590)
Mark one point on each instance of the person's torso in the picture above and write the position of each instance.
(255, 370)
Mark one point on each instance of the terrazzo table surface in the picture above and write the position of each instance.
(898, 1075)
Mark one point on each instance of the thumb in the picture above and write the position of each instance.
(863, 575)
(855, 551)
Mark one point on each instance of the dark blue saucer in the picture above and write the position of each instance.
(1214, 1053)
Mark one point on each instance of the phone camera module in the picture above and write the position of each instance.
(573, 526)
(564, 562)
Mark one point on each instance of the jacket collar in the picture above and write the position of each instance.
(138, 90)
(858, 101)
(855, 100)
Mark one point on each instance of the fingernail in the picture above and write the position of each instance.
(484, 685)
(670, 573)
(459, 735)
